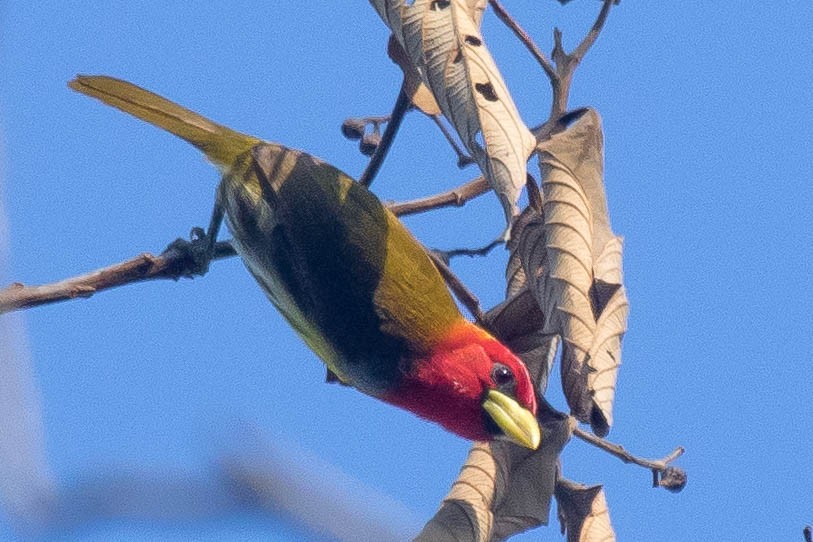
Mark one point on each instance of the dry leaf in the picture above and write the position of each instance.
(515, 278)
(604, 356)
(583, 512)
(476, 8)
(518, 322)
(502, 489)
(572, 261)
(443, 42)
(414, 87)
(525, 502)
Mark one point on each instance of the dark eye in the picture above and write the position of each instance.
(502, 376)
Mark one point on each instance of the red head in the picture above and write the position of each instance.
(473, 386)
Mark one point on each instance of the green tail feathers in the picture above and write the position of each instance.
(220, 144)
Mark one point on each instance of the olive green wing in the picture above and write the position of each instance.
(343, 270)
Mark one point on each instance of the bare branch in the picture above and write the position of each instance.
(560, 71)
(463, 159)
(526, 40)
(456, 197)
(459, 289)
(173, 263)
(592, 35)
(447, 255)
(671, 478)
(289, 481)
(402, 104)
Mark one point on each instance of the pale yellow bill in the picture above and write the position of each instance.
(518, 423)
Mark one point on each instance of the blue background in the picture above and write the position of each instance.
(708, 123)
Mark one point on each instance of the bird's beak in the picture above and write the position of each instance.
(518, 423)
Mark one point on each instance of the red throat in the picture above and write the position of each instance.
(448, 385)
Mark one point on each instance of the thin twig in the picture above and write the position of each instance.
(591, 36)
(174, 264)
(171, 264)
(523, 36)
(463, 159)
(447, 255)
(466, 297)
(402, 104)
(657, 466)
(566, 63)
(563, 65)
(375, 120)
(456, 197)
(621, 453)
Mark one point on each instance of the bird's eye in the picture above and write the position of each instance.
(502, 376)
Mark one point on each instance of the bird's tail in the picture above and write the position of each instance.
(220, 144)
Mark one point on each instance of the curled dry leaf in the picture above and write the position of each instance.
(443, 42)
(515, 278)
(476, 9)
(519, 323)
(414, 87)
(572, 262)
(583, 512)
(502, 489)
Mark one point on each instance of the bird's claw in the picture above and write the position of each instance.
(195, 253)
(197, 234)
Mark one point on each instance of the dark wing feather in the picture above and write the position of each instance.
(341, 268)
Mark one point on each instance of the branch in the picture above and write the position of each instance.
(566, 64)
(447, 255)
(671, 478)
(463, 159)
(558, 76)
(291, 482)
(400, 108)
(459, 289)
(173, 263)
(526, 40)
(561, 75)
(456, 197)
(592, 35)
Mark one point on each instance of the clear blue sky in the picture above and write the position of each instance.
(708, 122)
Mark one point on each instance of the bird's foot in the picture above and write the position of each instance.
(194, 253)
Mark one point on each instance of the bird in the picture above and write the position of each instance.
(348, 277)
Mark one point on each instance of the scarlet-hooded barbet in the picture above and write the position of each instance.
(349, 278)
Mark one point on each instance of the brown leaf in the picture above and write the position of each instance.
(525, 503)
(572, 263)
(443, 43)
(518, 322)
(502, 490)
(515, 278)
(604, 356)
(583, 512)
(414, 86)
(476, 9)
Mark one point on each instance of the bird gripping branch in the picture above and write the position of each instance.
(349, 278)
